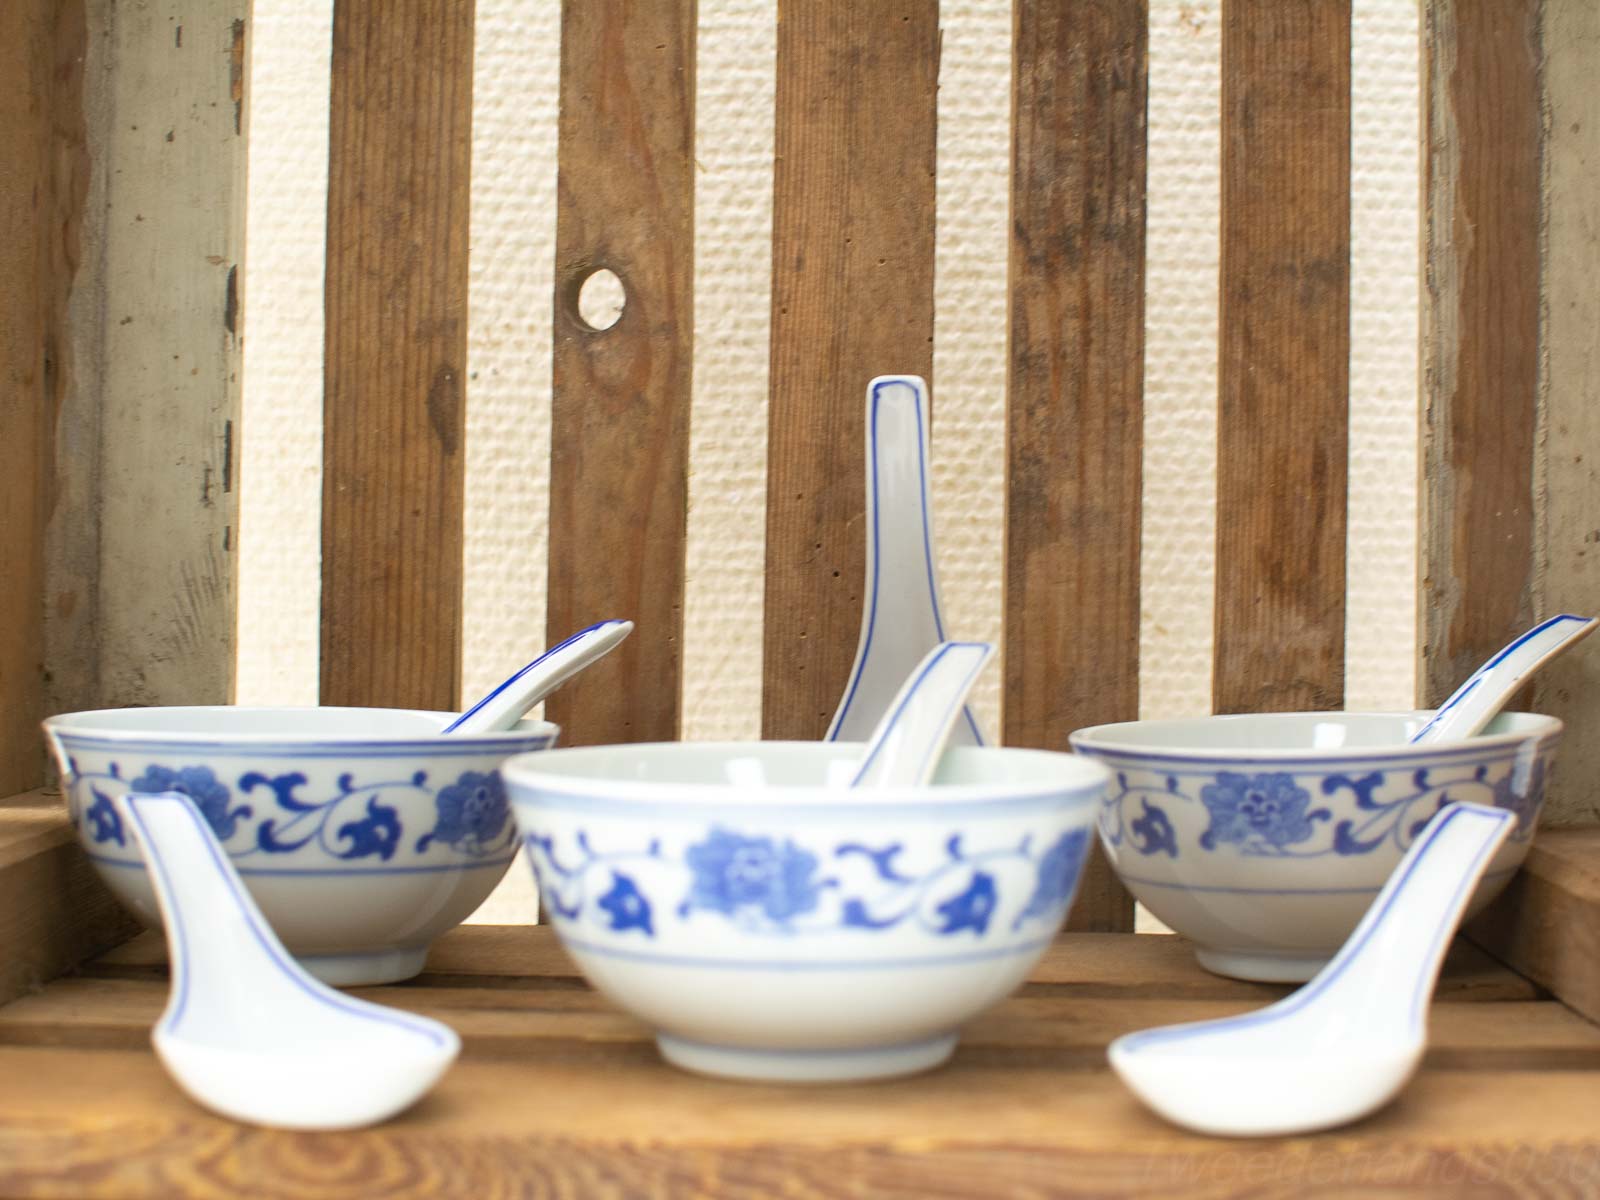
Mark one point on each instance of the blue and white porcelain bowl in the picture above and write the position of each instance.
(362, 833)
(1263, 838)
(769, 924)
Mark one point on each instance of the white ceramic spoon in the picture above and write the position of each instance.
(246, 1031)
(1474, 704)
(900, 619)
(1346, 1042)
(503, 707)
(905, 748)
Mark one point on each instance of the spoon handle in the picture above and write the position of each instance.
(900, 618)
(1472, 705)
(503, 707)
(906, 747)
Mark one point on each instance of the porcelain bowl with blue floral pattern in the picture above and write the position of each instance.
(768, 923)
(1263, 838)
(362, 833)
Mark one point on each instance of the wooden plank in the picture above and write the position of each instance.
(852, 298)
(1075, 387)
(1547, 922)
(400, 127)
(54, 911)
(40, 211)
(1567, 456)
(144, 512)
(112, 1124)
(1282, 417)
(1480, 331)
(620, 410)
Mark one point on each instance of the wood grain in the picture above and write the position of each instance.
(1480, 331)
(54, 911)
(1075, 387)
(620, 415)
(400, 126)
(1547, 922)
(1567, 455)
(1283, 373)
(852, 298)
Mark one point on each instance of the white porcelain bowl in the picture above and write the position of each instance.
(769, 924)
(362, 833)
(1263, 838)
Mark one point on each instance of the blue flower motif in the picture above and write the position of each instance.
(626, 905)
(376, 833)
(472, 813)
(1526, 803)
(200, 784)
(734, 873)
(1153, 831)
(1252, 810)
(105, 825)
(972, 908)
(1058, 875)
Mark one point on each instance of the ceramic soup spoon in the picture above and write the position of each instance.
(1474, 704)
(246, 1031)
(905, 748)
(1346, 1042)
(900, 619)
(503, 707)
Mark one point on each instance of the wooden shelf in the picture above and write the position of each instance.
(559, 1094)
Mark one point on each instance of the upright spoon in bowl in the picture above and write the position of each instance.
(504, 705)
(1346, 1042)
(1475, 703)
(247, 1031)
(906, 746)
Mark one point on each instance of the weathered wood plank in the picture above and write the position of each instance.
(1567, 464)
(1480, 331)
(400, 123)
(852, 298)
(1284, 355)
(1547, 923)
(620, 416)
(1075, 386)
(54, 911)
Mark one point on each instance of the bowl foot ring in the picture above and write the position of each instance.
(362, 970)
(806, 1066)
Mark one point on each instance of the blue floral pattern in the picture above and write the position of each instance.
(201, 785)
(1264, 812)
(473, 812)
(733, 874)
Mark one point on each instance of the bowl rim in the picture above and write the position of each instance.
(1082, 780)
(1100, 740)
(99, 725)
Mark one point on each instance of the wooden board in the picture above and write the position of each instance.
(1567, 455)
(559, 1094)
(1482, 130)
(852, 298)
(54, 911)
(400, 128)
(1547, 923)
(620, 417)
(1075, 387)
(1283, 372)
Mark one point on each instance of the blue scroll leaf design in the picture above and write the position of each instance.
(882, 860)
(471, 814)
(1152, 832)
(377, 833)
(541, 847)
(1057, 877)
(200, 783)
(734, 874)
(104, 823)
(626, 906)
(971, 908)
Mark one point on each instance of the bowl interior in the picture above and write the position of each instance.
(246, 723)
(692, 767)
(1318, 731)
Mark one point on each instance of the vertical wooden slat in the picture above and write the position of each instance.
(1285, 347)
(619, 431)
(1480, 331)
(1075, 384)
(398, 174)
(852, 297)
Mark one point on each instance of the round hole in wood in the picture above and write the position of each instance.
(601, 299)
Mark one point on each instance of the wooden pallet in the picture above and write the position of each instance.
(560, 1094)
